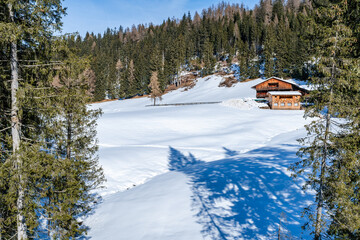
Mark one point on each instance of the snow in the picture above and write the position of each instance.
(120, 212)
(245, 104)
(216, 171)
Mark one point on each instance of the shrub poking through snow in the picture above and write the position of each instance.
(228, 81)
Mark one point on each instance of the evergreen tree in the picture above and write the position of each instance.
(244, 71)
(332, 153)
(43, 190)
(338, 34)
(208, 58)
(269, 52)
(253, 63)
(22, 26)
(72, 128)
(186, 43)
(156, 65)
(119, 78)
(100, 83)
(282, 49)
(131, 78)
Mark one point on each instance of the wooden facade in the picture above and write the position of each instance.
(285, 100)
(276, 84)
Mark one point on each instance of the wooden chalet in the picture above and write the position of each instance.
(286, 100)
(277, 84)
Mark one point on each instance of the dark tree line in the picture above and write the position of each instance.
(265, 41)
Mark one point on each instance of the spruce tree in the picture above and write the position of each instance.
(253, 63)
(131, 78)
(269, 52)
(22, 25)
(43, 190)
(282, 49)
(340, 29)
(72, 128)
(331, 149)
(208, 58)
(119, 78)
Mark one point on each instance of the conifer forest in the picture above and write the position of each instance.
(271, 37)
(50, 175)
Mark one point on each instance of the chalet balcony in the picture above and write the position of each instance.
(274, 89)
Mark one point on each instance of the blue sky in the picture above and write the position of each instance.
(96, 15)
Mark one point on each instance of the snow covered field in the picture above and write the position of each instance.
(198, 172)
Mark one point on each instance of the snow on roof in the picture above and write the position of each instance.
(302, 84)
(285, 93)
(290, 81)
(280, 79)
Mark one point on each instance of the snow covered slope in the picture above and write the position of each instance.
(199, 171)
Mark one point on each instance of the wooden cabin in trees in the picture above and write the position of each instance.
(277, 84)
(286, 100)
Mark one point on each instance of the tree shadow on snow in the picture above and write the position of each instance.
(245, 196)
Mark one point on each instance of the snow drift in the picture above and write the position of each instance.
(244, 104)
(199, 172)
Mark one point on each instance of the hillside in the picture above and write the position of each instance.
(209, 161)
(198, 172)
(265, 41)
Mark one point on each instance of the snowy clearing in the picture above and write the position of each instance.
(199, 172)
(244, 104)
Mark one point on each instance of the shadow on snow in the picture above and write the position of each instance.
(245, 196)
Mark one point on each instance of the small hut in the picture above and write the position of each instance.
(277, 84)
(286, 100)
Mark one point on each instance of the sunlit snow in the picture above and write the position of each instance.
(217, 171)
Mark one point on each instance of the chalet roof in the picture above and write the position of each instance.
(282, 93)
(283, 80)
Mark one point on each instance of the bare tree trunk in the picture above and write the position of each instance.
(15, 132)
(327, 133)
(319, 207)
(279, 230)
(69, 135)
(163, 61)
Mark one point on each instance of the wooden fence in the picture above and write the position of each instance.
(181, 104)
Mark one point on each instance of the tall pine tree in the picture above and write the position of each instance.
(44, 190)
(331, 149)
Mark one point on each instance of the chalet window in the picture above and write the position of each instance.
(296, 104)
(289, 104)
(273, 85)
(276, 104)
(282, 104)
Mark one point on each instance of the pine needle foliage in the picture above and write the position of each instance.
(48, 168)
(71, 132)
(331, 149)
(227, 33)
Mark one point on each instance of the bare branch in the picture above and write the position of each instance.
(42, 65)
(2, 130)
